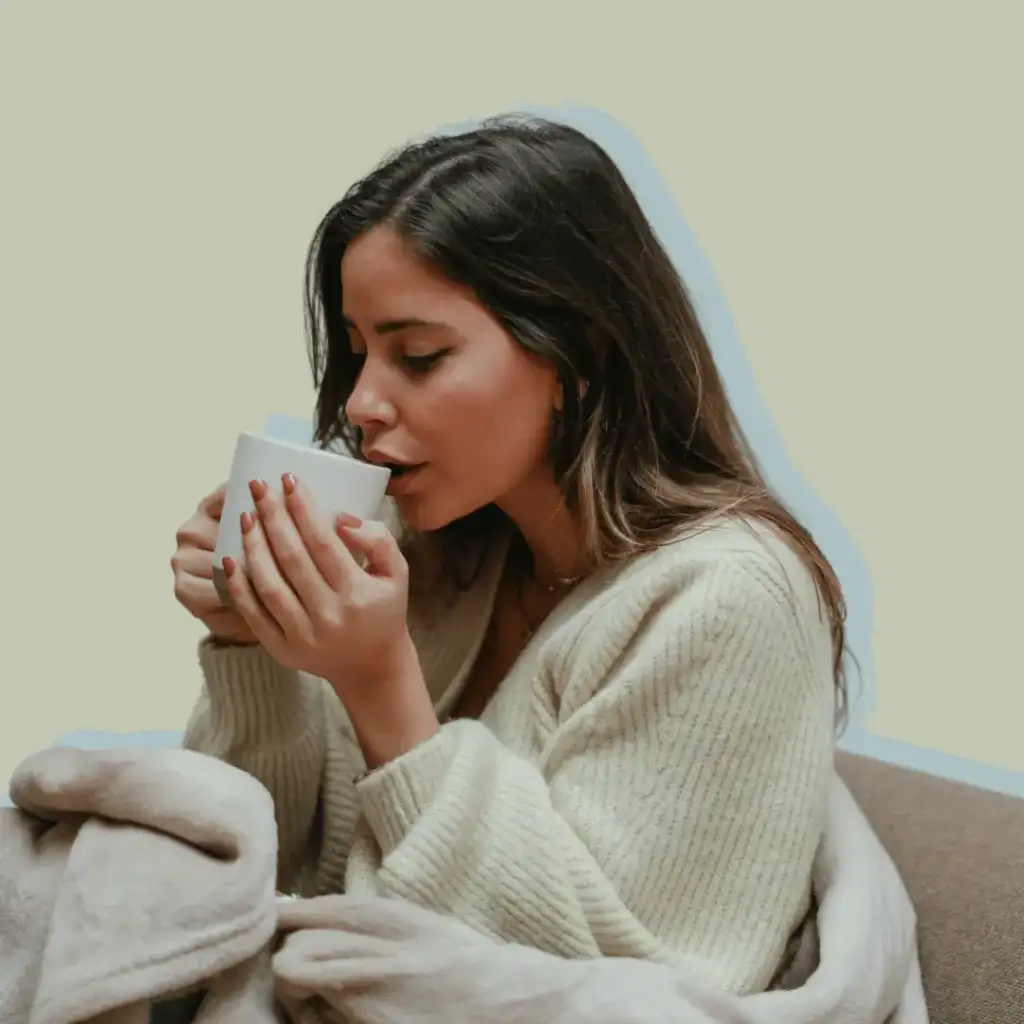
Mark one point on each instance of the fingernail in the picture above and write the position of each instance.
(229, 566)
(288, 482)
(247, 522)
(258, 489)
(344, 519)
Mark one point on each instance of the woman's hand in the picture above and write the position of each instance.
(306, 598)
(192, 564)
(314, 608)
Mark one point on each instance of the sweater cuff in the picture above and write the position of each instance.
(394, 796)
(251, 697)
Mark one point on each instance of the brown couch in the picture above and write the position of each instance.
(961, 853)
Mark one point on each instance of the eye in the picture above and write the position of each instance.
(423, 364)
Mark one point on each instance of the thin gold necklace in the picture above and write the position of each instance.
(561, 586)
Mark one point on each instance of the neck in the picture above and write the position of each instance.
(551, 532)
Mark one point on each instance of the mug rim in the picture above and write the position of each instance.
(371, 467)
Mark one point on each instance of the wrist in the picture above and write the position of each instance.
(390, 708)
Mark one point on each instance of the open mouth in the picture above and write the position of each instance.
(400, 469)
(403, 477)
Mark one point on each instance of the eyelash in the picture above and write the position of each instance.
(422, 365)
(419, 366)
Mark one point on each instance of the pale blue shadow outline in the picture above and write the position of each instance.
(756, 421)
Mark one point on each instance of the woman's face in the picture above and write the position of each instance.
(443, 387)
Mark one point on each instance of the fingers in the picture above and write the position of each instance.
(380, 549)
(200, 531)
(342, 524)
(297, 556)
(193, 581)
(192, 561)
(250, 606)
(262, 589)
(213, 504)
(196, 593)
(333, 562)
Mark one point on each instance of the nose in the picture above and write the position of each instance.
(368, 406)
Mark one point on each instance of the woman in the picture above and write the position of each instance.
(587, 700)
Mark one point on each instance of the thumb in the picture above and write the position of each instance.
(373, 540)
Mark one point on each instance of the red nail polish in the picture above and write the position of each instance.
(229, 566)
(288, 482)
(247, 522)
(258, 489)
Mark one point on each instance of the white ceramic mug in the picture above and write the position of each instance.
(338, 484)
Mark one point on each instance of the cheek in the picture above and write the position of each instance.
(506, 430)
(484, 437)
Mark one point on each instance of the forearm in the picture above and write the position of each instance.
(269, 722)
(463, 827)
(249, 703)
(655, 869)
(390, 708)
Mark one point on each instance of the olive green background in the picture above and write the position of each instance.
(851, 177)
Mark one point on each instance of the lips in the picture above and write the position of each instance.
(401, 481)
(400, 468)
(402, 471)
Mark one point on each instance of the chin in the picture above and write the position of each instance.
(423, 515)
(426, 516)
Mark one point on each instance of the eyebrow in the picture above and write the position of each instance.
(392, 326)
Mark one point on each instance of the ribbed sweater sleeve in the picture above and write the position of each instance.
(289, 731)
(674, 812)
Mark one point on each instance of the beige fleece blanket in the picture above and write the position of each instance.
(129, 878)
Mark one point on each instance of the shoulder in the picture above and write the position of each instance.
(735, 561)
(732, 583)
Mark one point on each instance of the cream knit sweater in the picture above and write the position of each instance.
(650, 780)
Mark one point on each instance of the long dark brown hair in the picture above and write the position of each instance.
(537, 220)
